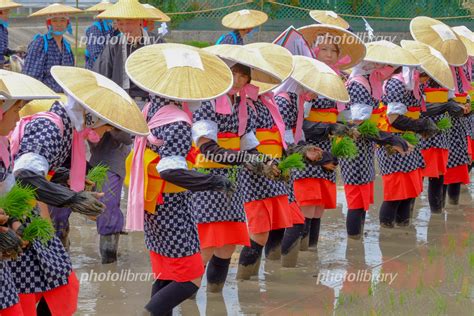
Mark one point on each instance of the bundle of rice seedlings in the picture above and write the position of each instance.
(203, 170)
(98, 175)
(344, 147)
(411, 138)
(293, 161)
(368, 129)
(232, 174)
(39, 229)
(444, 124)
(19, 202)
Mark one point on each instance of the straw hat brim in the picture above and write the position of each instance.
(37, 106)
(14, 85)
(350, 44)
(320, 16)
(467, 41)
(244, 19)
(278, 57)
(102, 97)
(436, 68)
(6, 5)
(163, 16)
(56, 9)
(129, 10)
(262, 70)
(318, 77)
(421, 28)
(384, 52)
(179, 72)
(99, 7)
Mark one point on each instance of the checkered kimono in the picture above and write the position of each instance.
(311, 171)
(457, 135)
(395, 91)
(360, 170)
(439, 140)
(44, 267)
(38, 62)
(213, 206)
(97, 38)
(289, 113)
(257, 187)
(8, 293)
(3, 43)
(171, 231)
(229, 39)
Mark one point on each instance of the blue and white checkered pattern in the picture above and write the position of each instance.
(3, 42)
(213, 206)
(4, 171)
(41, 267)
(288, 109)
(395, 91)
(96, 42)
(8, 293)
(44, 138)
(38, 63)
(360, 95)
(256, 187)
(171, 231)
(439, 140)
(311, 171)
(457, 144)
(229, 39)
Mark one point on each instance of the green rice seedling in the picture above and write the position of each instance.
(39, 229)
(368, 129)
(344, 148)
(98, 175)
(293, 161)
(444, 124)
(411, 138)
(19, 202)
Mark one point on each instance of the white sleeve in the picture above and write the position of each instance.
(249, 141)
(360, 111)
(396, 108)
(289, 137)
(33, 162)
(204, 128)
(171, 162)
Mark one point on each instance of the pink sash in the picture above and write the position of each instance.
(135, 208)
(268, 99)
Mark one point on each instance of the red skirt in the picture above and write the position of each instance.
(436, 162)
(359, 196)
(62, 301)
(470, 147)
(459, 174)
(402, 185)
(268, 214)
(315, 192)
(296, 215)
(183, 269)
(219, 234)
(14, 310)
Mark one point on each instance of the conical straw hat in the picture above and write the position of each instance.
(441, 37)
(318, 77)
(385, 52)
(244, 19)
(57, 9)
(14, 85)
(278, 57)
(102, 97)
(467, 37)
(349, 44)
(329, 17)
(432, 62)
(179, 72)
(130, 10)
(7, 4)
(163, 17)
(37, 106)
(101, 6)
(262, 70)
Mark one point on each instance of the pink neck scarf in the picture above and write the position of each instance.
(466, 83)
(136, 205)
(377, 78)
(4, 153)
(268, 99)
(248, 94)
(302, 98)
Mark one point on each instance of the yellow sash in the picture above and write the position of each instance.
(224, 140)
(323, 115)
(270, 142)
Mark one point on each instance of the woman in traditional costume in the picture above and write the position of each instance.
(15, 92)
(43, 142)
(441, 37)
(50, 49)
(160, 203)
(5, 7)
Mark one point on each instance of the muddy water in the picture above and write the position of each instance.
(426, 268)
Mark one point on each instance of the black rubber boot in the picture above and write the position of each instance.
(304, 244)
(454, 191)
(388, 210)
(314, 232)
(109, 247)
(354, 223)
(290, 245)
(273, 245)
(435, 194)
(217, 270)
(249, 260)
